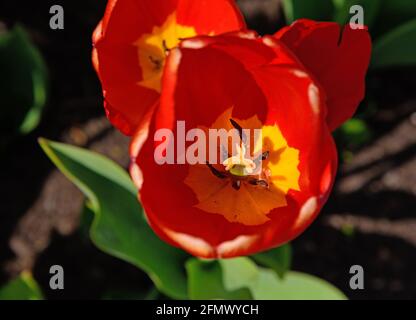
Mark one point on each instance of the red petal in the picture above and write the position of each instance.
(210, 16)
(338, 61)
(257, 79)
(115, 57)
(125, 20)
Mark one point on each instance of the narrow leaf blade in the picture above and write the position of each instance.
(119, 228)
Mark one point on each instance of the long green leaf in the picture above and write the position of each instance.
(119, 228)
(23, 83)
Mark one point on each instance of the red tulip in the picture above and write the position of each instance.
(130, 46)
(163, 62)
(250, 82)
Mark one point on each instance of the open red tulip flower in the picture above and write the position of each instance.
(175, 73)
(292, 88)
(131, 43)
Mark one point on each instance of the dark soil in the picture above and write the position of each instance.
(369, 220)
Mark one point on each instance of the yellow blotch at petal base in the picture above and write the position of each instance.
(251, 204)
(153, 48)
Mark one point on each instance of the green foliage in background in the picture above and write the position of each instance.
(354, 133)
(23, 287)
(120, 229)
(397, 47)
(342, 10)
(279, 260)
(23, 84)
(392, 24)
(394, 13)
(320, 10)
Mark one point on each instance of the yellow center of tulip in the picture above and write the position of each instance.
(154, 47)
(245, 188)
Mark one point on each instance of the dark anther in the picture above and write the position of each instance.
(265, 155)
(215, 172)
(156, 62)
(236, 184)
(165, 46)
(240, 130)
(262, 157)
(261, 183)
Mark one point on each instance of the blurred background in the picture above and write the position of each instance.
(370, 219)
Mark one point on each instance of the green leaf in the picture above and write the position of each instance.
(264, 284)
(205, 282)
(400, 7)
(279, 259)
(394, 13)
(23, 83)
(343, 15)
(355, 132)
(238, 272)
(23, 287)
(119, 227)
(224, 278)
(296, 9)
(295, 286)
(396, 48)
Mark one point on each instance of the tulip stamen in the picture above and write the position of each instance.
(262, 157)
(238, 179)
(158, 63)
(165, 47)
(259, 182)
(236, 184)
(239, 129)
(216, 172)
(239, 168)
(248, 181)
